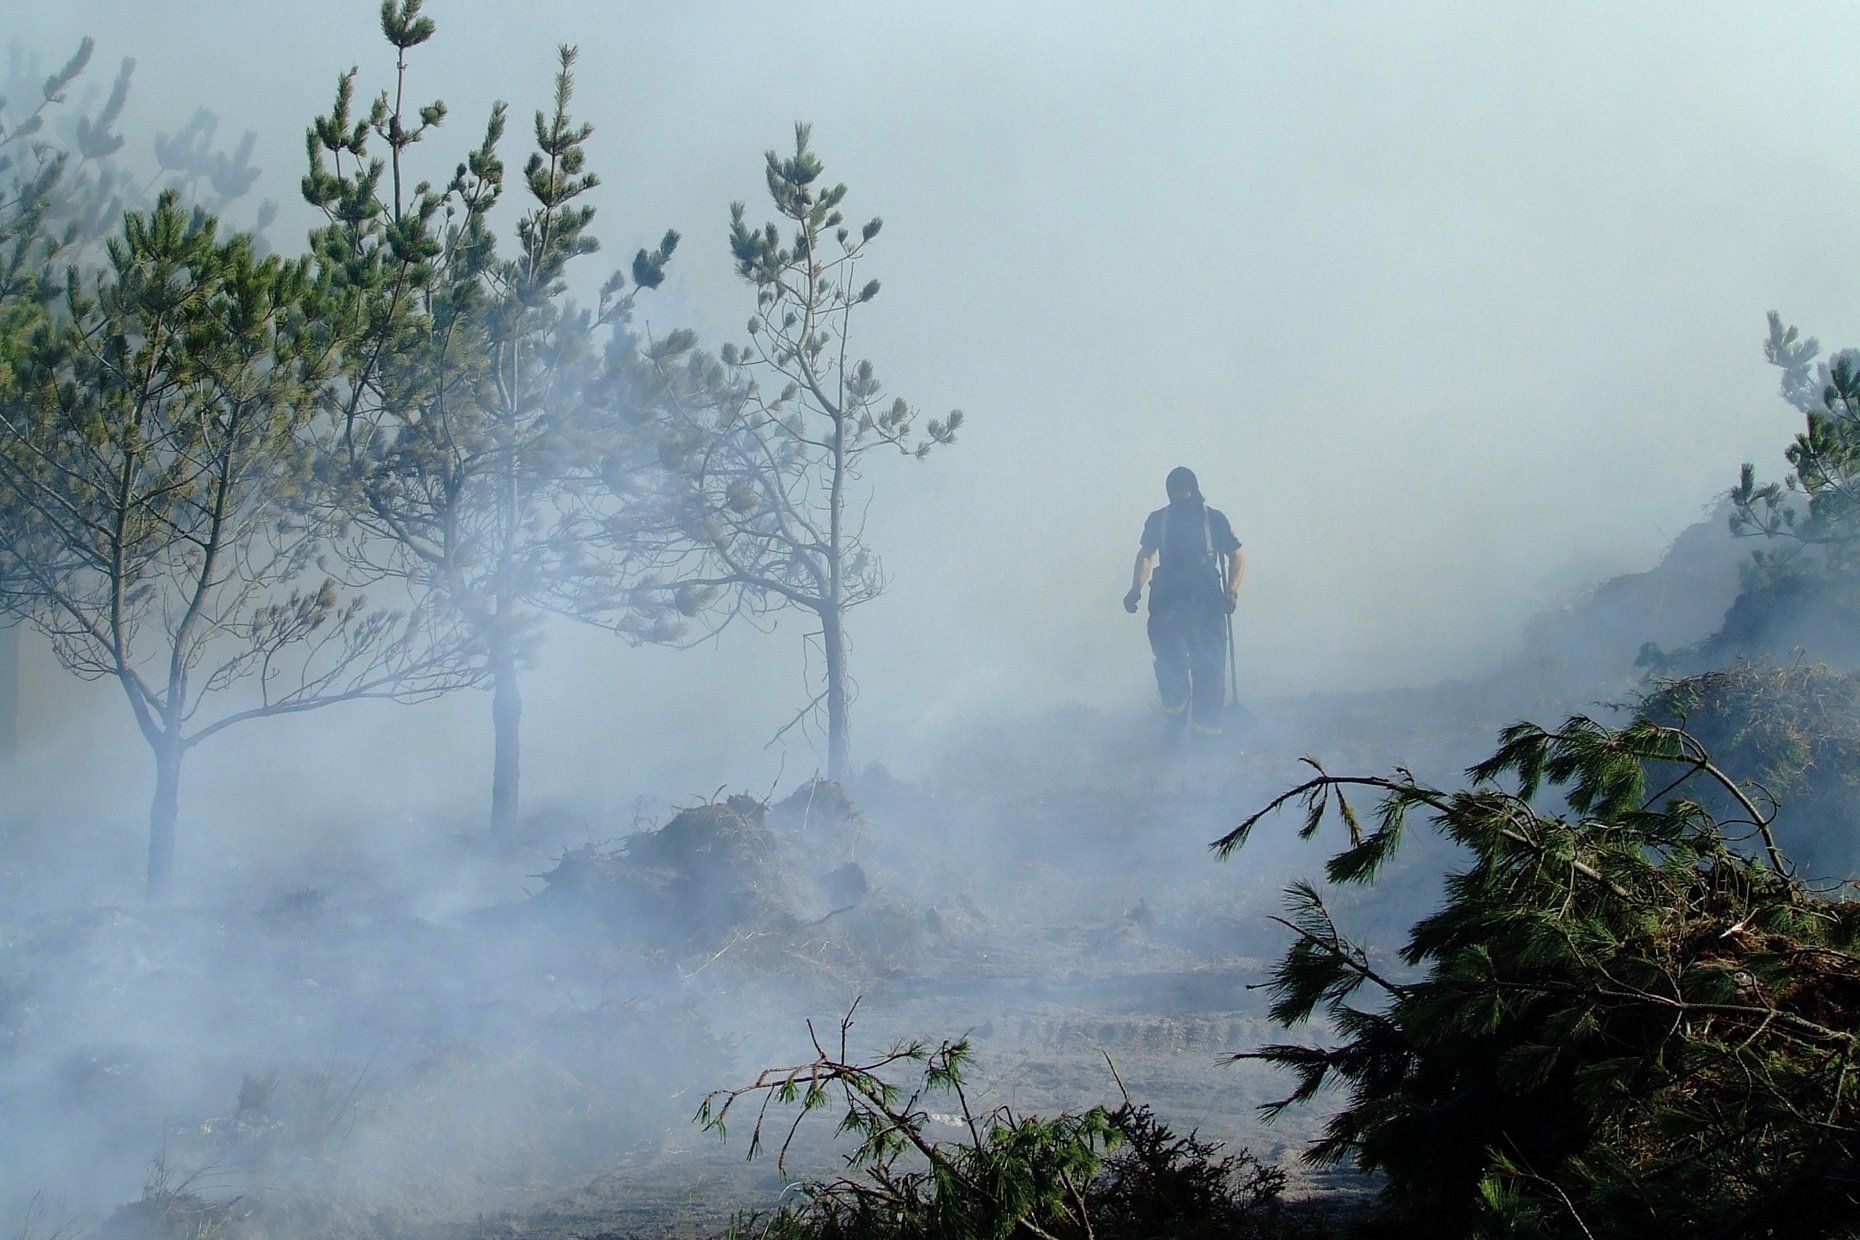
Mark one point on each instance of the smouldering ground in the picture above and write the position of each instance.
(398, 1042)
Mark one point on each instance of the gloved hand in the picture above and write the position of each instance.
(1232, 601)
(1132, 599)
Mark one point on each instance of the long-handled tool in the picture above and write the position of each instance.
(1233, 669)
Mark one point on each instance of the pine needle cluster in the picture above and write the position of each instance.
(1628, 1016)
(1791, 732)
(1800, 588)
(1099, 1174)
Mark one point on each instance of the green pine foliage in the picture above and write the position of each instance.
(159, 437)
(160, 395)
(1792, 732)
(1627, 1016)
(1801, 588)
(1011, 1171)
(63, 127)
(487, 459)
(1158, 1182)
(1100, 1174)
(768, 442)
(61, 188)
(1824, 458)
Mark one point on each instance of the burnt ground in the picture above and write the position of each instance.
(390, 1028)
(447, 1040)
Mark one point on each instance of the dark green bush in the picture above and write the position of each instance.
(1626, 1018)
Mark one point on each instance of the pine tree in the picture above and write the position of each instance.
(768, 443)
(64, 187)
(476, 409)
(157, 442)
(1801, 586)
(67, 124)
(1818, 503)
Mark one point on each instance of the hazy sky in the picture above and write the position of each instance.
(1453, 307)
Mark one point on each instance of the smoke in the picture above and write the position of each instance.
(357, 1019)
(1460, 366)
(1268, 334)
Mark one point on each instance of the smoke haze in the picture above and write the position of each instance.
(1441, 304)
(1454, 310)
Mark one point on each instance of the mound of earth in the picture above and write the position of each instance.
(821, 807)
(721, 874)
(712, 870)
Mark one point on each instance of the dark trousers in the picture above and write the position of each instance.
(1189, 640)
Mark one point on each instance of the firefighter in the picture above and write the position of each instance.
(1192, 594)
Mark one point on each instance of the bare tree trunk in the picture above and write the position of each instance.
(833, 639)
(506, 720)
(164, 812)
(9, 692)
(833, 616)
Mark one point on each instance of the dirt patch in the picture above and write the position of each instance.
(714, 870)
(819, 804)
(741, 885)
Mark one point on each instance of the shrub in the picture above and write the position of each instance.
(1625, 1018)
(1108, 1174)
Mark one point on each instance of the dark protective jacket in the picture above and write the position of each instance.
(1191, 538)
